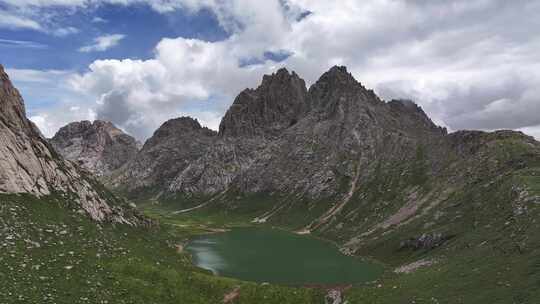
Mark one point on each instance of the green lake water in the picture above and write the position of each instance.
(277, 256)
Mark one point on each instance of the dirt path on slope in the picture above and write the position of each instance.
(335, 209)
(339, 206)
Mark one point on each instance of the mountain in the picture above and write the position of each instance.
(274, 106)
(191, 160)
(337, 141)
(171, 149)
(453, 218)
(99, 147)
(338, 161)
(29, 164)
(282, 137)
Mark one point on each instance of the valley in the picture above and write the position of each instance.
(54, 255)
(386, 205)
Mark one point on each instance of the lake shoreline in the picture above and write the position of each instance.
(299, 261)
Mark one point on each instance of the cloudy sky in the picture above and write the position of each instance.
(471, 64)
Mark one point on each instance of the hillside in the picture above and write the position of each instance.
(378, 178)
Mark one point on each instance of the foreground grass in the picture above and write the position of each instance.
(51, 253)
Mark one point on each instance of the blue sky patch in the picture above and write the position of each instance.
(142, 27)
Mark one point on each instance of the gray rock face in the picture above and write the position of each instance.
(347, 128)
(282, 137)
(99, 147)
(278, 103)
(28, 164)
(425, 241)
(170, 151)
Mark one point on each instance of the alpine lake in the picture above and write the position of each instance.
(279, 257)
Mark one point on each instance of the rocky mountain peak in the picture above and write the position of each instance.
(28, 163)
(98, 146)
(281, 76)
(413, 115)
(185, 122)
(174, 146)
(12, 110)
(339, 72)
(3, 75)
(279, 102)
(337, 76)
(179, 127)
(74, 127)
(338, 84)
(106, 125)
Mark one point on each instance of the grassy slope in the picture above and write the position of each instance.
(493, 255)
(52, 254)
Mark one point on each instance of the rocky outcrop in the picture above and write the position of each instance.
(278, 103)
(169, 152)
(99, 147)
(217, 169)
(28, 164)
(426, 241)
(333, 296)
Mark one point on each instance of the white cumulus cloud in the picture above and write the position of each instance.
(65, 31)
(186, 77)
(11, 21)
(103, 43)
(468, 63)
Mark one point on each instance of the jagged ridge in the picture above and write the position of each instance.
(266, 138)
(278, 103)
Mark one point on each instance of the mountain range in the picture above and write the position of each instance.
(376, 177)
(332, 158)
